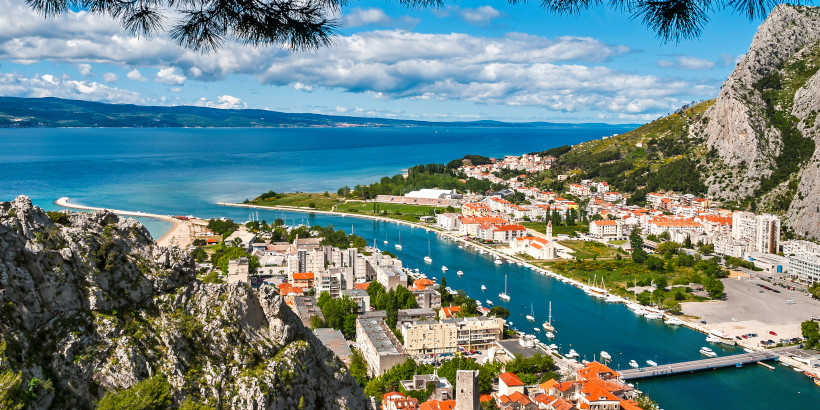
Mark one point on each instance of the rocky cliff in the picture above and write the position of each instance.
(763, 125)
(91, 309)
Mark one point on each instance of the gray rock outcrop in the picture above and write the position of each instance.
(89, 304)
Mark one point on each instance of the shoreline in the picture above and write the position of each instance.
(178, 235)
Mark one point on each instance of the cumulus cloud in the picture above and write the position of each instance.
(110, 77)
(563, 73)
(480, 16)
(223, 102)
(85, 69)
(366, 17)
(47, 85)
(135, 75)
(169, 76)
(687, 63)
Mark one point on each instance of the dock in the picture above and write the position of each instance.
(737, 360)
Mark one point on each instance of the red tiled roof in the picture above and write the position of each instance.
(510, 379)
(362, 286)
(303, 275)
(438, 405)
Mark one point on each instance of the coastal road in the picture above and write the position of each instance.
(705, 364)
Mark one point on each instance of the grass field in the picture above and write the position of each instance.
(557, 230)
(301, 199)
(410, 213)
(590, 249)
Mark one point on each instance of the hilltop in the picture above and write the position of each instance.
(95, 314)
(56, 112)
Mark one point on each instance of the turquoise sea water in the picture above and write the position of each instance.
(185, 171)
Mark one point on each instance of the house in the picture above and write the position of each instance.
(302, 279)
(239, 271)
(443, 388)
(438, 405)
(509, 383)
(447, 312)
(397, 401)
(578, 190)
(613, 197)
(606, 229)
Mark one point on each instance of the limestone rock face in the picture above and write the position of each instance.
(90, 303)
(737, 127)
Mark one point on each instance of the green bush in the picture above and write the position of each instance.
(149, 394)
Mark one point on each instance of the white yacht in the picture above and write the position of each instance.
(489, 302)
(460, 273)
(553, 346)
(673, 321)
(548, 324)
(428, 259)
(572, 354)
(612, 299)
(633, 364)
(498, 261)
(531, 316)
(537, 329)
(444, 269)
(520, 263)
(550, 335)
(651, 363)
(719, 337)
(503, 295)
(653, 315)
(707, 352)
(605, 355)
(398, 245)
(483, 287)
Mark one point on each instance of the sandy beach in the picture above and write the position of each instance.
(181, 233)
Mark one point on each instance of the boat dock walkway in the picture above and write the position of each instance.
(705, 364)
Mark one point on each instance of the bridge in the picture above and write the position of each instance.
(705, 364)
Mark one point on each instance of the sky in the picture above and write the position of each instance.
(484, 60)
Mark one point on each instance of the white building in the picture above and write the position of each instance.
(606, 229)
(804, 269)
(239, 271)
(434, 194)
(761, 231)
(378, 344)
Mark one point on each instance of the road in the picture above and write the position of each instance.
(704, 364)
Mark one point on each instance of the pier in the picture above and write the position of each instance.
(736, 360)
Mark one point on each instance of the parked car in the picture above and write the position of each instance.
(771, 332)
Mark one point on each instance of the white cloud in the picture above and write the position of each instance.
(85, 69)
(135, 75)
(47, 85)
(299, 86)
(110, 77)
(687, 63)
(366, 17)
(480, 16)
(175, 89)
(222, 102)
(169, 76)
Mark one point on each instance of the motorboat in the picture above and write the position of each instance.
(550, 335)
(605, 355)
(498, 261)
(572, 354)
(520, 263)
(673, 321)
(503, 295)
(531, 316)
(460, 273)
(612, 299)
(428, 259)
(707, 352)
(537, 329)
(553, 346)
(653, 315)
(651, 363)
(718, 337)
(444, 269)
(483, 287)
(398, 245)
(489, 302)
(633, 364)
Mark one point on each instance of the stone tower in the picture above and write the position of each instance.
(549, 230)
(467, 390)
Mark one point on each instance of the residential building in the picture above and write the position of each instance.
(801, 249)
(239, 271)
(391, 277)
(335, 341)
(509, 383)
(360, 296)
(305, 307)
(302, 279)
(443, 390)
(727, 245)
(804, 269)
(762, 232)
(606, 229)
(427, 298)
(438, 405)
(378, 345)
(451, 335)
(397, 401)
(414, 315)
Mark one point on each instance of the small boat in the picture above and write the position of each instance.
(572, 354)
(550, 335)
(510, 261)
(531, 316)
(444, 269)
(520, 263)
(460, 273)
(673, 321)
(653, 316)
(548, 324)
(460, 247)
(612, 299)
(553, 346)
(651, 363)
(797, 370)
(633, 364)
(537, 329)
(503, 295)
(718, 337)
(707, 352)
(489, 302)
(747, 350)
(398, 245)
(498, 261)
(605, 355)
(585, 361)
(483, 287)
(427, 258)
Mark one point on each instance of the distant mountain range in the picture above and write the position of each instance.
(56, 112)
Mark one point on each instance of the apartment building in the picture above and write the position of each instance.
(451, 335)
(378, 345)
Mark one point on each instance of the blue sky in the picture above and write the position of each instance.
(465, 61)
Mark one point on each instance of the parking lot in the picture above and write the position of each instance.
(748, 308)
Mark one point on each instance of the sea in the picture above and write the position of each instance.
(187, 171)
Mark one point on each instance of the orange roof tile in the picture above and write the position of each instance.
(303, 275)
(438, 405)
(510, 379)
(362, 286)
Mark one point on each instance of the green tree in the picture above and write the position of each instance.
(358, 367)
(714, 287)
(499, 311)
(644, 298)
(639, 255)
(707, 249)
(653, 263)
(811, 331)
(446, 297)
